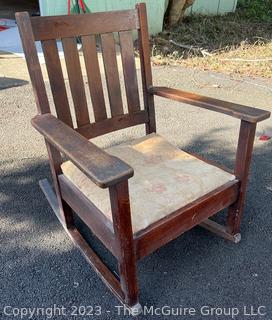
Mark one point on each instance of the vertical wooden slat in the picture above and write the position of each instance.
(76, 80)
(32, 61)
(146, 67)
(129, 70)
(94, 77)
(112, 74)
(57, 83)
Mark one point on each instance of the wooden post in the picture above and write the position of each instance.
(144, 49)
(120, 205)
(32, 60)
(242, 165)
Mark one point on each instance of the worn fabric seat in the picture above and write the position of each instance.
(165, 179)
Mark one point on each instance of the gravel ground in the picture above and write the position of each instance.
(41, 267)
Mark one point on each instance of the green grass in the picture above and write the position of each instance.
(260, 10)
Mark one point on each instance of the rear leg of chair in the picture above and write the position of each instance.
(120, 205)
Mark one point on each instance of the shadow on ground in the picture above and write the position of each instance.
(42, 267)
(6, 83)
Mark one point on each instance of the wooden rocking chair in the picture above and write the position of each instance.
(171, 191)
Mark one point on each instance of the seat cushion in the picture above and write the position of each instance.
(165, 179)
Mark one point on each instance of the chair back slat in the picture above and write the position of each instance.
(76, 81)
(113, 106)
(56, 79)
(129, 70)
(111, 73)
(56, 27)
(94, 77)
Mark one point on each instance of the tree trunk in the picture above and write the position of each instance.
(176, 10)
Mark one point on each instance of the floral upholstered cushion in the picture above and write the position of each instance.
(165, 179)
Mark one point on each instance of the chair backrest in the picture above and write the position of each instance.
(89, 27)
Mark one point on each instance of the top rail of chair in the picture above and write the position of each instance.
(56, 27)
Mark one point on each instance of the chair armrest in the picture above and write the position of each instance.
(102, 168)
(235, 110)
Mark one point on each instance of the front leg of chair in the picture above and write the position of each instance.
(242, 166)
(120, 204)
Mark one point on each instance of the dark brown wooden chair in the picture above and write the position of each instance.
(170, 191)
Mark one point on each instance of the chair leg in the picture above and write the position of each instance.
(234, 218)
(129, 284)
(119, 196)
(242, 166)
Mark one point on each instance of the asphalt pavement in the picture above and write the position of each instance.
(41, 268)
